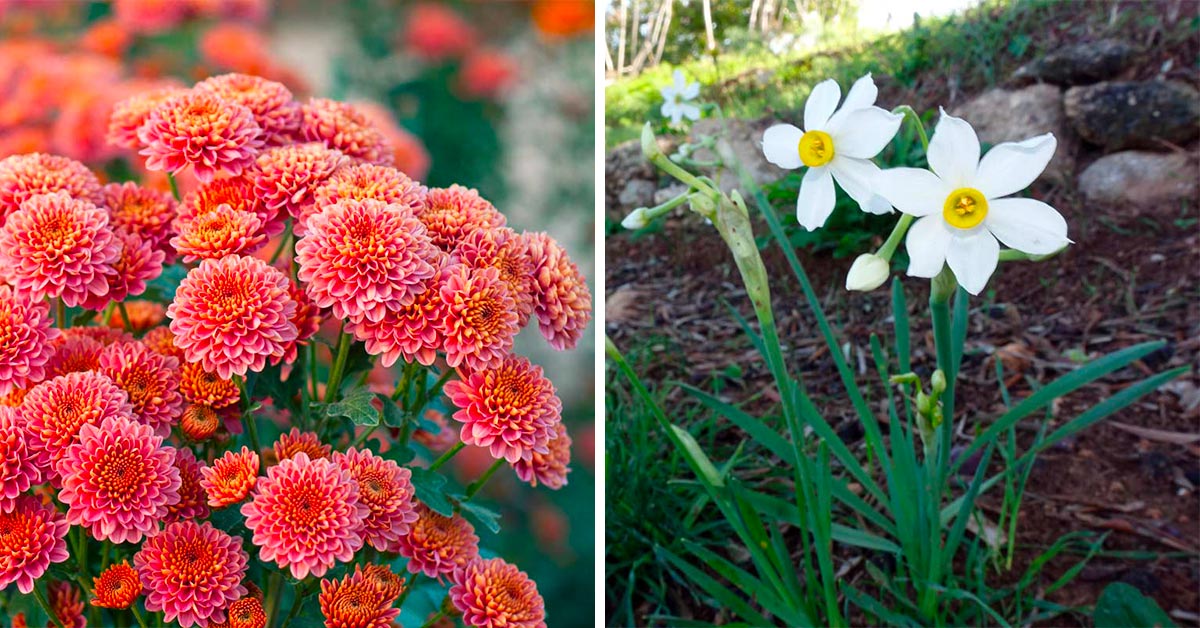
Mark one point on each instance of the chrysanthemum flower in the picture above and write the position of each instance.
(246, 613)
(480, 318)
(199, 422)
(116, 587)
(34, 537)
(55, 411)
(408, 153)
(200, 130)
(355, 602)
(236, 192)
(307, 320)
(271, 104)
(362, 257)
(202, 387)
(306, 516)
(231, 314)
(451, 213)
(411, 332)
(437, 32)
(385, 580)
(962, 213)
(496, 594)
(508, 253)
(118, 480)
(487, 73)
(510, 409)
(65, 602)
(137, 263)
(285, 176)
(220, 232)
(149, 16)
(836, 146)
(25, 176)
(437, 545)
(18, 470)
(193, 501)
(230, 478)
(149, 378)
(74, 355)
(387, 490)
(143, 315)
(296, 442)
(362, 181)
(144, 211)
(342, 127)
(191, 572)
(563, 305)
(161, 340)
(104, 335)
(57, 246)
(549, 468)
(130, 114)
(25, 335)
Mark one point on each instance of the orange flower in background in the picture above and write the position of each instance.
(193, 501)
(385, 580)
(142, 211)
(236, 192)
(286, 176)
(549, 468)
(206, 388)
(107, 37)
(199, 423)
(25, 176)
(438, 545)
(436, 33)
(408, 153)
(487, 74)
(137, 263)
(149, 16)
(143, 315)
(246, 613)
(116, 587)
(220, 232)
(74, 355)
(162, 340)
(362, 182)
(296, 442)
(343, 127)
(564, 18)
(495, 594)
(356, 601)
(130, 114)
(508, 253)
(150, 379)
(272, 105)
(230, 478)
(64, 601)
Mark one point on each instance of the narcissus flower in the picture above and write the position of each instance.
(437, 545)
(508, 253)
(193, 501)
(548, 468)
(510, 409)
(33, 537)
(962, 213)
(677, 99)
(271, 104)
(356, 601)
(18, 470)
(246, 613)
(25, 335)
(342, 127)
(362, 181)
(65, 602)
(480, 318)
(26, 176)
(58, 246)
(230, 478)
(495, 594)
(191, 572)
(306, 516)
(231, 314)
(362, 257)
(836, 146)
(563, 304)
(411, 332)
(285, 176)
(202, 387)
(198, 422)
(118, 480)
(55, 411)
(130, 114)
(116, 587)
(215, 234)
(387, 490)
(451, 213)
(295, 442)
(142, 211)
(149, 378)
(200, 130)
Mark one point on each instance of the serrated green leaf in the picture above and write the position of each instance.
(430, 488)
(1122, 605)
(393, 416)
(479, 515)
(357, 405)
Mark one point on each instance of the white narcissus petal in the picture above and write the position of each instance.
(690, 111)
(1027, 225)
(781, 145)
(816, 199)
(926, 244)
(821, 103)
(859, 177)
(863, 133)
(691, 91)
(973, 256)
(954, 151)
(671, 110)
(679, 79)
(913, 191)
(862, 94)
(1010, 167)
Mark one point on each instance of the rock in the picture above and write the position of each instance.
(669, 192)
(623, 164)
(745, 138)
(1134, 114)
(1001, 115)
(1140, 178)
(637, 193)
(1079, 64)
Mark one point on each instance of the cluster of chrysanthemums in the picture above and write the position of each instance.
(118, 441)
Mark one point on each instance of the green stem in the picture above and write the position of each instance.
(138, 615)
(444, 458)
(174, 188)
(295, 610)
(106, 548)
(912, 115)
(659, 159)
(310, 351)
(41, 599)
(339, 365)
(274, 587)
(124, 316)
(433, 620)
(483, 479)
(287, 235)
(60, 313)
(363, 438)
(893, 241)
(412, 584)
(251, 421)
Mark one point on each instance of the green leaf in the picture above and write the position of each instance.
(1122, 605)
(357, 406)
(479, 515)
(727, 599)
(429, 486)
(393, 416)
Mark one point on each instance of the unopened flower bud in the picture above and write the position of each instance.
(649, 143)
(867, 273)
(924, 404)
(938, 382)
(635, 220)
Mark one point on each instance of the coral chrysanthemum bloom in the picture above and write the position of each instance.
(496, 594)
(65, 602)
(18, 470)
(137, 263)
(549, 468)
(480, 318)
(74, 355)
(130, 114)
(231, 314)
(236, 192)
(356, 601)
(55, 411)
(438, 545)
(296, 442)
(508, 253)
(559, 18)
(192, 572)
(510, 409)
(411, 331)
(563, 305)
(274, 109)
(246, 613)
(487, 74)
(385, 580)
(362, 257)
(215, 234)
(286, 176)
(58, 246)
(363, 181)
(193, 501)
(116, 587)
(200, 130)
(306, 516)
(118, 480)
(143, 315)
(202, 387)
(387, 490)
(149, 378)
(26, 176)
(161, 339)
(143, 211)
(230, 478)
(342, 127)
(25, 335)
(451, 213)
(33, 537)
(199, 422)
(436, 32)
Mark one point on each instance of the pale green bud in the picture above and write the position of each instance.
(867, 273)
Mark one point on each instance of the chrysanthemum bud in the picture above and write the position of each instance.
(199, 423)
(867, 273)
(635, 220)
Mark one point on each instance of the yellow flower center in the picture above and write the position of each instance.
(816, 148)
(965, 208)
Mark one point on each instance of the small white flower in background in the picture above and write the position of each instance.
(677, 97)
(962, 215)
(836, 146)
(867, 273)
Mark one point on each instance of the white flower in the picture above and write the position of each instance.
(635, 220)
(677, 97)
(837, 146)
(867, 273)
(960, 209)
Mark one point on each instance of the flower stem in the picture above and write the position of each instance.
(912, 115)
(893, 241)
(174, 187)
(274, 588)
(363, 437)
(433, 620)
(287, 235)
(941, 288)
(339, 365)
(444, 458)
(138, 615)
(483, 479)
(60, 313)
(295, 610)
(125, 316)
(250, 420)
(412, 584)
(41, 599)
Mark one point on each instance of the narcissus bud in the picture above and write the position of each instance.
(635, 220)
(867, 273)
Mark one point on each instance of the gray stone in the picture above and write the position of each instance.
(1079, 64)
(1002, 115)
(1134, 114)
(669, 192)
(1140, 178)
(745, 138)
(637, 193)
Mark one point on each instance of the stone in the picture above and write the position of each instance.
(623, 164)
(669, 192)
(1140, 178)
(637, 193)
(1079, 64)
(745, 138)
(1003, 115)
(1134, 114)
